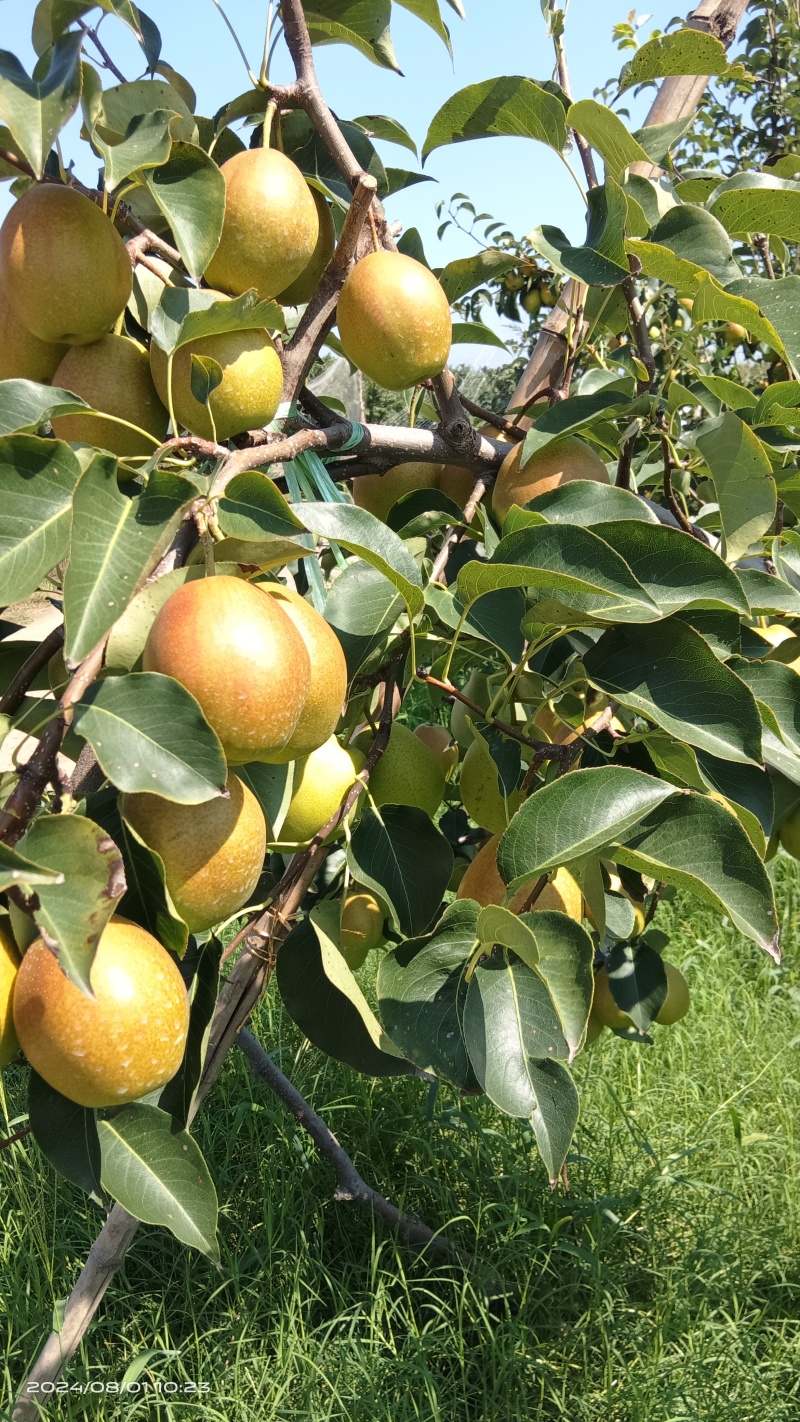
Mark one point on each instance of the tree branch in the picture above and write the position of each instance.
(14, 696)
(543, 750)
(451, 535)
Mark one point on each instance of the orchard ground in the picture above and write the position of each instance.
(665, 1288)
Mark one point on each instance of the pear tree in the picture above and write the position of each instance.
(413, 725)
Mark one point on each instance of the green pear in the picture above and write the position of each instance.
(303, 287)
(362, 927)
(394, 320)
(408, 772)
(113, 375)
(271, 225)
(246, 398)
(477, 689)
(22, 355)
(321, 781)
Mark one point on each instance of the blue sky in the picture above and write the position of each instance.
(520, 182)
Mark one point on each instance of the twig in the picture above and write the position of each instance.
(669, 494)
(352, 1188)
(13, 698)
(500, 422)
(108, 62)
(146, 241)
(761, 243)
(639, 331)
(623, 479)
(451, 535)
(17, 1136)
(545, 750)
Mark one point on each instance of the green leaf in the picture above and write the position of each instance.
(146, 900)
(362, 24)
(657, 139)
(742, 474)
(73, 914)
(466, 273)
(573, 817)
(697, 845)
(147, 144)
(583, 503)
(509, 1026)
(711, 301)
(499, 927)
(511, 106)
(66, 1134)
(306, 148)
(758, 202)
(36, 111)
(381, 126)
(638, 981)
(363, 534)
(272, 787)
(767, 594)
(571, 560)
(186, 314)
(110, 112)
(673, 678)
(428, 11)
(571, 415)
(361, 607)
(778, 688)
(149, 733)
(205, 378)
(495, 618)
(156, 1171)
(190, 191)
(37, 477)
(608, 135)
(407, 861)
(421, 991)
(322, 996)
(693, 234)
(602, 260)
(17, 872)
(682, 52)
(24, 405)
(253, 507)
(474, 333)
(780, 302)
(116, 540)
(566, 954)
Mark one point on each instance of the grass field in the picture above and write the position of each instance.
(666, 1288)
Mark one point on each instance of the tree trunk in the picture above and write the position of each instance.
(676, 98)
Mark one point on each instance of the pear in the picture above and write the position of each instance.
(482, 882)
(394, 320)
(22, 355)
(676, 1003)
(604, 1007)
(439, 740)
(477, 689)
(213, 853)
(65, 268)
(303, 287)
(271, 225)
(362, 927)
(240, 656)
(787, 650)
(377, 493)
(248, 394)
(481, 794)
(112, 374)
(117, 1046)
(321, 781)
(457, 482)
(408, 772)
(9, 967)
(789, 834)
(557, 463)
(328, 688)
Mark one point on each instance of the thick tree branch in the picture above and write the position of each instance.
(14, 696)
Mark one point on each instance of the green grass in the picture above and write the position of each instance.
(666, 1287)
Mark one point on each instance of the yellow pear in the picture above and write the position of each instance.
(303, 287)
(113, 375)
(247, 396)
(789, 834)
(439, 740)
(457, 482)
(321, 781)
(240, 656)
(394, 320)
(65, 268)
(271, 225)
(477, 689)
(213, 853)
(117, 1046)
(378, 492)
(676, 1003)
(482, 882)
(362, 927)
(408, 772)
(558, 463)
(9, 967)
(22, 355)
(328, 688)
(604, 1008)
(481, 794)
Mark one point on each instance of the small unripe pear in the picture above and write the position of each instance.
(394, 320)
(271, 225)
(64, 267)
(477, 689)
(213, 853)
(321, 781)
(377, 493)
(303, 287)
(117, 1046)
(112, 374)
(328, 686)
(408, 772)
(240, 656)
(481, 793)
(9, 967)
(247, 396)
(676, 1003)
(362, 927)
(557, 463)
